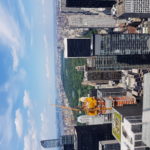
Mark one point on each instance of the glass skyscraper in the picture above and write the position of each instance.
(63, 140)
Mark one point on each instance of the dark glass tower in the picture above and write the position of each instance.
(64, 140)
(78, 47)
(90, 3)
(119, 62)
(88, 137)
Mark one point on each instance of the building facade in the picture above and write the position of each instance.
(131, 136)
(106, 92)
(109, 145)
(91, 21)
(63, 140)
(120, 44)
(93, 120)
(119, 62)
(102, 76)
(88, 137)
(78, 6)
(133, 8)
(146, 110)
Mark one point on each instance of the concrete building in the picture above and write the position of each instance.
(131, 136)
(111, 51)
(106, 92)
(119, 62)
(133, 8)
(120, 44)
(146, 110)
(109, 145)
(99, 77)
(93, 120)
(91, 21)
(108, 45)
(127, 127)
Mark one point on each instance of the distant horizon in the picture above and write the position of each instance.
(27, 81)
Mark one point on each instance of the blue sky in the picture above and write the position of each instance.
(27, 78)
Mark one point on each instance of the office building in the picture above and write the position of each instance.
(63, 140)
(131, 136)
(68, 147)
(78, 6)
(119, 113)
(91, 21)
(127, 127)
(146, 110)
(109, 145)
(77, 47)
(102, 76)
(90, 3)
(51, 143)
(93, 120)
(120, 44)
(88, 136)
(133, 8)
(108, 45)
(106, 92)
(119, 62)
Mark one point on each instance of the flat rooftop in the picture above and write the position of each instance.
(130, 110)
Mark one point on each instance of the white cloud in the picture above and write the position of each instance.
(43, 2)
(26, 100)
(30, 140)
(47, 121)
(44, 125)
(47, 68)
(19, 122)
(6, 125)
(24, 15)
(46, 44)
(10, 35)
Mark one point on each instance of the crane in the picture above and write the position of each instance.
(88, 111)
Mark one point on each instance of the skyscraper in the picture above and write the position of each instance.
(133, 8)
(91, 21)
(108, 45)
(119, 62)
(90, 3)
(51, 143)
(88, 137)
(111, 51)
(77, 47)
(120, 44)
(106, 92)
(77, 6)
(63, 140)
(102, 76)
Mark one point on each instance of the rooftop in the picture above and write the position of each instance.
(130, 110)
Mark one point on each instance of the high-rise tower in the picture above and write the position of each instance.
(63, 140)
